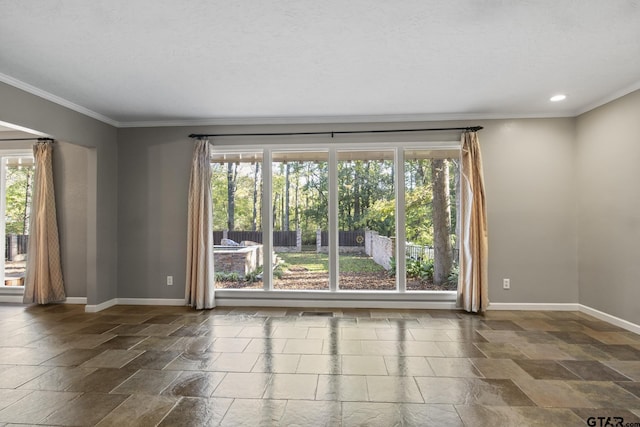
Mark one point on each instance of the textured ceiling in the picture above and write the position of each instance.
(128, 62)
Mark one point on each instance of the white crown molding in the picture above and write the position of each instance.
(618, 94)
(300, 120)
(56, 99)
(21, 129)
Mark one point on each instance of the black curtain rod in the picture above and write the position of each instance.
(338, 132)
(27, 139)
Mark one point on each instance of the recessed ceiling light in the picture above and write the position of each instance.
(556, 98)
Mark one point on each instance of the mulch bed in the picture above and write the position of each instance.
(298, 278)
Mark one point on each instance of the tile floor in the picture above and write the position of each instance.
(172, 366)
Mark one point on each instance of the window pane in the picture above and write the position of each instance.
(431, 206)
(300, 219)
(366, 220)
(19, 173)
(236, 183)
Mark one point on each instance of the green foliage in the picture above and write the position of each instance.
(312, 261)
(419, 225)
(309, 238)
(278, 271)
(365, 185)
(392, 269)
(19, 190)
(381, 217)
(319, 262)
(358, 264)
(452, 280)
(420, 269)
(243, 200)
(254, 276)
(416, 269)
(314, 199)
(221, 276)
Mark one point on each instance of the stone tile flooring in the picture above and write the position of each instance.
(172, 366)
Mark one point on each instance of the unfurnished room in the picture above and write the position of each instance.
(299, 213)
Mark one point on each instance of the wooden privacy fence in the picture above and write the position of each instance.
(345, 238)
(15, 244)
(288, 238)
(280, 238)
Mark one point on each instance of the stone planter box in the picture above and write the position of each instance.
(237, 259)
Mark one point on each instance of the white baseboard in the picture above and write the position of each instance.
(18, 299)
(102, 306)
(132, 301)
(533, 306)
(151, 301)
(610, 319)
(624, 324)
(11, 298)
(336, 303)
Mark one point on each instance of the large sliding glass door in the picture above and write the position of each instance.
(336, 219)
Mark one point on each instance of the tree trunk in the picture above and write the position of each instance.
(287, 188)
(282, 213)
(274, 210)
(441, 221)
(297, 198)
(305, 195)
(420, 174)
(254, 219)
(357, 209)
(27, 196)
(231, 195)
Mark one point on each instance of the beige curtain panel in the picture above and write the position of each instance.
(473, 276)
(43, 278)
(200, 277)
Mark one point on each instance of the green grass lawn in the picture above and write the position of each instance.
(319, 262)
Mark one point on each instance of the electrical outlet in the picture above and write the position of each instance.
(169, 280)
(506, 283)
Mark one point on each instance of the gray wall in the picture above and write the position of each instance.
(29, 111)
(529, 178)
(608, 160)
(153, 182)
(70, 175)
